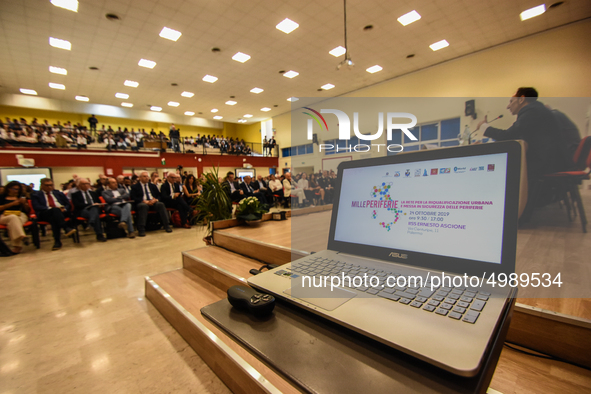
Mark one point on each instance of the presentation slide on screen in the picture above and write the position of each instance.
(451, 207)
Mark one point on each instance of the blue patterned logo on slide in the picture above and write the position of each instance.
(383, 193)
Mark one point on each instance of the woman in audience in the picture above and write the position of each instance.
(191, 190)
(14, 209)
(315, 187)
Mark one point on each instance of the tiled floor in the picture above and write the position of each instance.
(76, 320)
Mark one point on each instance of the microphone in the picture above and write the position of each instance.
(498, 117)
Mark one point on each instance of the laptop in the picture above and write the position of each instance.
(445, 217)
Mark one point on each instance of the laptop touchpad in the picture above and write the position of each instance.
(322, 297)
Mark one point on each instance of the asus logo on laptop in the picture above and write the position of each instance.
(398, 255)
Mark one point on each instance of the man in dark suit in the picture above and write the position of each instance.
(146, 196)
(116, 204)
(171, 196)
(87, 205)
(236, 194)
(53, 206)
(248, 191)
(261, 186)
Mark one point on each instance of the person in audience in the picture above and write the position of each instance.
(153, 177)
(171, 195)
(304, 185)
(87, 205)
(111, 144)
(127, 184)
(290, 188)
(261, 186)
(191, 190)
(81, 141)
(233, 188)
(54, 207)
(103, 182)
(325, 182)
(146, 195)
(117, 204)
(248, 190)
(120, 181)
(14, 211)
(316, 188)
(276, 188)
(174, 136)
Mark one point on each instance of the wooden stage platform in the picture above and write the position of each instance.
(208, 272)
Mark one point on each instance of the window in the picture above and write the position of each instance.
(440, 134)
(297, 150)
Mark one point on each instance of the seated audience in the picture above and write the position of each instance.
(233, 190)
(54, 207)
(290, 188)
(261, 186)
(87, 205)
(171, 195)
(248, 191)
(14, 210)
(117, 204)
(191, 190)
(146, 196)
(316, 188)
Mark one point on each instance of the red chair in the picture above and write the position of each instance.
(569, 181)
(30, 225)
(81, 219)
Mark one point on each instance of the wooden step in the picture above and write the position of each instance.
(179, 296)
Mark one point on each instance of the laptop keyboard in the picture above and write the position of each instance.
(457, 303)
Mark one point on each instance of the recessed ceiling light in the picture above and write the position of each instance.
(241, 57)
(71, 5)
(439, 45)
(132, 84)
(28, 91)
(173, 104)
(210, 78)
(266, 109)
(533, 12)
(62, 44)
(291, 74)
(128, 105)
(409, 18)
(82, 98)
(187, 94)
(374, 69)
(256, 90)
(57, 86)
(247, 116)
(217, 117)
(146, 63)
(287, 26)
(328, 86)
(170, 34)
(338, 51)
(230, 102)
(241, 120)
(214, 110)
(58, 70)
(122, 95)
(189, 113)
(292, 99)
(157, 109)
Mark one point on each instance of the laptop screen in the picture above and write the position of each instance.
(453, 207)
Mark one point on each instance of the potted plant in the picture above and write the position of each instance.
(251, 210)
(214, 203)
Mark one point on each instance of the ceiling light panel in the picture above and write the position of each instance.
(128, 105)
(157, 109)
(241, 57)
(58, 43)
(287, 26)
(409, 18)
(57, 86)
(231, 102)
(82, 98)
(266, 109)
(173, 104)
(292, 99)
(338, 51)
(214, 110)
(247, 116)
(28, 91)
(291, 74)
(187, 94)
(210, 78)
(533, 12)
(170, 34)
(328, 86)
(189, 113)
(439, 45)
(71, 5)
(132, 84)
(217, 117)
(256, 90)
(122, 95)
(374, 69)
(146, 63)
(58, 70)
